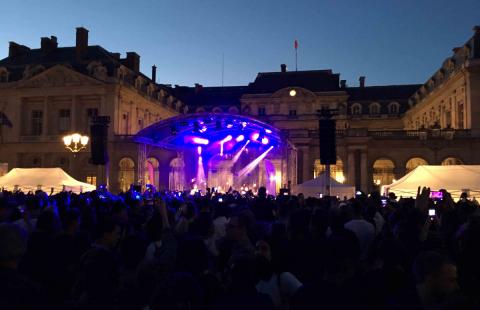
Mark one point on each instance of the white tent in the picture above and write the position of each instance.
(315, 187)
(31, 179)
(455, 179)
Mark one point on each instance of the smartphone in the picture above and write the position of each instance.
(436, 195)
(285, 194)
(321, 195)
(384, 202)
(432, 212)
(220, 199)
(358, 193)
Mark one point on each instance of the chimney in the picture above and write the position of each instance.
(343, 84)
(81, 46)
(116, 56)
(362, 81)
(476, 42)
(283, 68)
(198, 88)
(154, 74)
(15, 49)
(48, 44)
(133, 61)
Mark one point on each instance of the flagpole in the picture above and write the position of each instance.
(296, 67)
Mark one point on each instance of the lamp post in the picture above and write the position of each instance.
(75, 142)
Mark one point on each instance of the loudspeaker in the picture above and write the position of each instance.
(98, 138)
(328, 152)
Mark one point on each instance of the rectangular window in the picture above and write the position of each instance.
(140, 123)
(37, 123)
(460, 117)
(63, 120)
(125, 120)
(91, 113)
(292, 112)
(261, 111)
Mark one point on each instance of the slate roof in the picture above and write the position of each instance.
(210, 96)
(388, 92)
(314, 80)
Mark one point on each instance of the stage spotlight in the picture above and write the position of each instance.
(203, 129)
(226, 139)
(268, 131)
(198, 140)
(240, 138)
(265, 140)
(255, 136)
(244, 124)
(199, 150)
(196, 127)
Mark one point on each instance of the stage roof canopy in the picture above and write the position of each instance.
(206, 128)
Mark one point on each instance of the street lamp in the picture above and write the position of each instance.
(75, 142)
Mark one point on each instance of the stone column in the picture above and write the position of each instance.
(45, 117)
(142, 157)
(364, 175)
(350, 168)
(73, 115)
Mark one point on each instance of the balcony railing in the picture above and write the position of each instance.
(388, 134)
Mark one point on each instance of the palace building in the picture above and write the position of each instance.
(383, 132)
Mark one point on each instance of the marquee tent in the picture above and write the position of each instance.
(455, 179)
(315, 187)
(31, 179)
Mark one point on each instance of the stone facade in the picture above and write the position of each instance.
(382, 131)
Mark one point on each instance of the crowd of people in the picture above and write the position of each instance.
(164, 250)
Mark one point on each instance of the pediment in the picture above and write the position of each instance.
(58, 76)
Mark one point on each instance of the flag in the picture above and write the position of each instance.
(296, 44)
(4, 120)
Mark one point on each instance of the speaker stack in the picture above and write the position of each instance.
(98, 138)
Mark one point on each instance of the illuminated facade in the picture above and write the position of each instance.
(383, 132)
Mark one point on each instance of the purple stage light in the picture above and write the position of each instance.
(199, 150)
(198, 140)
(240, 138)
(229, 126)
(244, 124)
(268, 131)
(255, 136)
(265, 140)
(226, 139)
(204, 128)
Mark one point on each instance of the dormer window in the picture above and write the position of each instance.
(4, 75)
(356, 109)
(374, 109)
(393, 108)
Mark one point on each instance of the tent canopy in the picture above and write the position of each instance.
(31, 179)
(455, 179)
(314, 187)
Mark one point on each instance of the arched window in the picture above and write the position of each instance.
(217, 110)
(151, 171)
(356, 109)
(126, 175)
(414, 162)
(451, 161)
(233, 110)
(200, 110)
(374, 108)
(336, 171)
(176, 177)
(383, 171)
(393, 108)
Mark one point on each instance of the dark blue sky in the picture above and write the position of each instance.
(389, 41)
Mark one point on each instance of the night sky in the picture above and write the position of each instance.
(389, 41)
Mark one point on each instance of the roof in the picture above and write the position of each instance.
(388, 92)
(210, 96)
(314, 80)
